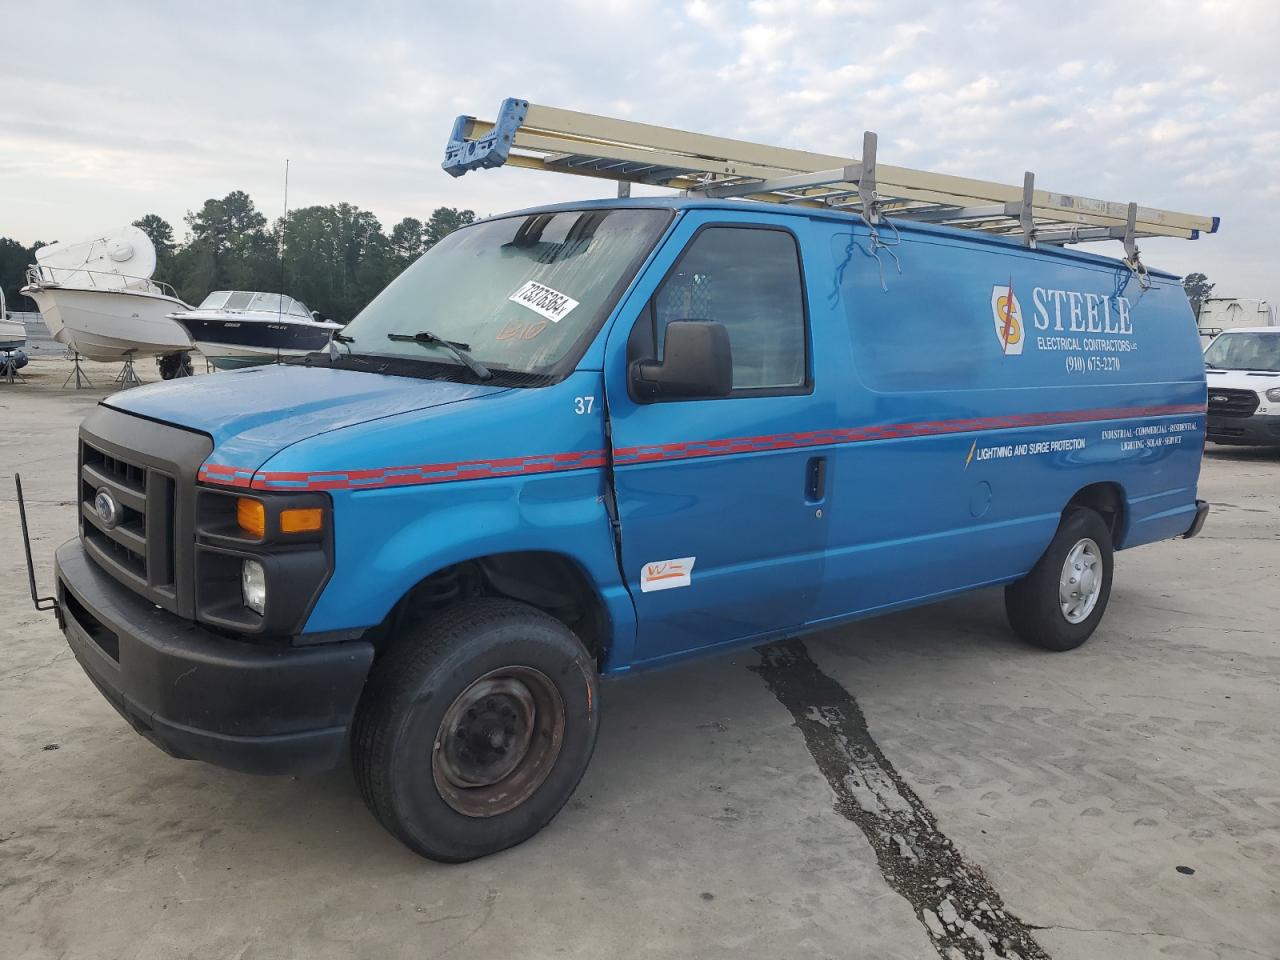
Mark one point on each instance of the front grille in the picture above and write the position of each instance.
(150, 470)
(1225, 402)
(139, 544)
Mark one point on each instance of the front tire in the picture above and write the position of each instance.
(1059, 604)
(475, 729)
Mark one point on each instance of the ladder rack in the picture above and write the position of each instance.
(537, 137)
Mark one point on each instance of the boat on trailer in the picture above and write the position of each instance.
(98, 298)
(242, 328)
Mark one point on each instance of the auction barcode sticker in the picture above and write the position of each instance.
(544, 301)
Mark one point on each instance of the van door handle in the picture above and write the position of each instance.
(815, 485)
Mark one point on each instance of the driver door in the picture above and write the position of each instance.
(720, 508)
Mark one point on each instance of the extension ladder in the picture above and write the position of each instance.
(537, 137)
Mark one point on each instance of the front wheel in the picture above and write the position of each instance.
(1059, 604)
(475, 729)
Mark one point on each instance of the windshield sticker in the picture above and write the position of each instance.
(544, 301)
(666, 574)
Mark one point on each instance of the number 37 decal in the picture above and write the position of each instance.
(583, 405)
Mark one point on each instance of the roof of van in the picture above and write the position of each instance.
(813, 213)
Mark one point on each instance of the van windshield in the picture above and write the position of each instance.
(1245, 351)
(517, 294)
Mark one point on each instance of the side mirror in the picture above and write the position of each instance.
(697, 363)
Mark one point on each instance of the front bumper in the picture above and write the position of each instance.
(202, 696)
(1259, 430)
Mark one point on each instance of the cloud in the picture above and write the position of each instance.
(1172, 104)
(930, 78)
(702, 12)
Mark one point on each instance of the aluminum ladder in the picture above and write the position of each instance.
(537, 137)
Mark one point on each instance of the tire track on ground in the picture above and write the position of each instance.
(960, 910)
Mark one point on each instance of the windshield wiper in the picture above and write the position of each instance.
(333, 356)
(459, 350)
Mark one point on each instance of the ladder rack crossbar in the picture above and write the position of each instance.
(538, 137)
(784, 185)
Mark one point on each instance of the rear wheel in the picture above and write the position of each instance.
(1059, 604)
(475, 729)
(174, 365)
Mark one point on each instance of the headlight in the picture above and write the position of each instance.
(1274, 394)
(246, 547)
(253, 586)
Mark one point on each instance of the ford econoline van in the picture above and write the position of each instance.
(583, 440)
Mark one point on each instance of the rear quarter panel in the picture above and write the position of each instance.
(986, 438)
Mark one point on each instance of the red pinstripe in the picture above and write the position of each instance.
(625, 456)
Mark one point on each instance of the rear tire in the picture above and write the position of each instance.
(174, 365)
(1059, 604)
(475, 729)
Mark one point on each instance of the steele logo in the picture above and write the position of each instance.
(1071, 311)
(1007, 313)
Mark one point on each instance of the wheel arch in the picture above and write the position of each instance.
(1109, 500)
(554, 582)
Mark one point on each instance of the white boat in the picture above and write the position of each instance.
(13, 333)
(97, 297)
(241, 328)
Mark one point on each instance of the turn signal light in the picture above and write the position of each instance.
(301, 520)
(251, 515)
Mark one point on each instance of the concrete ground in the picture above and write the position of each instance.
(864, 794)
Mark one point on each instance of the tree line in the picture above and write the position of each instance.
(334, 258)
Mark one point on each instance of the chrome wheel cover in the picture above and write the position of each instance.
(1080, 582)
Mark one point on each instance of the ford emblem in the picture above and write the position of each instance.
(107, 509)
(1221, 399)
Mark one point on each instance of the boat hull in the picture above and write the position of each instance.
(111, 324)
(229, 344)
(13, 334)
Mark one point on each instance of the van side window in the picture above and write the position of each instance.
(749, 280)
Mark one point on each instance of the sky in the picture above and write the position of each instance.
(113, 111)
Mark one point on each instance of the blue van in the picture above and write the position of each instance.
(582, 440)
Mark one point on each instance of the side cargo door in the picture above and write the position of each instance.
(719, 500)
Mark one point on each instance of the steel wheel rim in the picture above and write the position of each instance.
(1080, 583)
(498, 741)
